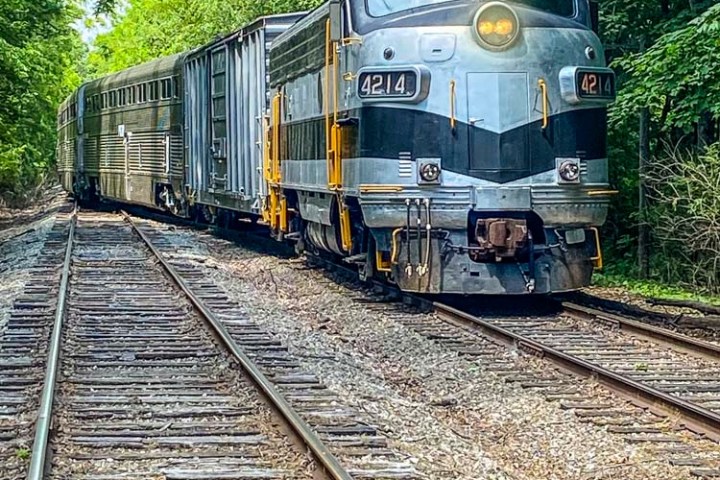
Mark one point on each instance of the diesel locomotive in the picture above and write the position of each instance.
(449, 146)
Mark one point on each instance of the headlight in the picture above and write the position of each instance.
(496, 26)
(569, 171)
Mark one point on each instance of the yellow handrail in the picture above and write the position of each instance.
(453, 121)
(326, 100)
(543, 88)
(334, 139)
(395, 249)
(597, 260)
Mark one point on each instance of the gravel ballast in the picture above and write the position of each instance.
(453, 414)
(22, 237)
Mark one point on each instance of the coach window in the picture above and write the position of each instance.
(176, 87)
(104, 101)
(153, 91)
(166, 86)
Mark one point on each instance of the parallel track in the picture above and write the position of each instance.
(142, 390)
(346, 430)
(23, 343)
(612, 362)
(673, 375)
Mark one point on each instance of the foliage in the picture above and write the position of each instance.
(685, 186)
(665, 54)
(653, 289)
(678, 76)
(153, 28)
(22, 453)
(39, 54)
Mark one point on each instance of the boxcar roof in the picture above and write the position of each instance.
(284, 21)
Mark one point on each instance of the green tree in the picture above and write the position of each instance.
(149, 29)
(630, 30)
(39, 57)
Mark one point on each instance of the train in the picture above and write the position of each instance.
(446, 146)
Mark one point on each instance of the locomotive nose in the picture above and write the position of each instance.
(499, 122)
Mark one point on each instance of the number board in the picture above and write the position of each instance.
(595, 85)
(391, 84)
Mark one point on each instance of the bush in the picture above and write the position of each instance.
(684, 191)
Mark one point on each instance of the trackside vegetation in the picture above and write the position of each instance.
(40, 63)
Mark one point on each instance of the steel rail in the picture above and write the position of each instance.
(320, 451)
(677, 341)
(42, 425)
(695, 418)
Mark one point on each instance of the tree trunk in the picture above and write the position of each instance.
(644, 159)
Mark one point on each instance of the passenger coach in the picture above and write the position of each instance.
(449, 146)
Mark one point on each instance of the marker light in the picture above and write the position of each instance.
(496, 25)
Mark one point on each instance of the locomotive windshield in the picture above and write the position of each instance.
(379, 8)
(565, 8)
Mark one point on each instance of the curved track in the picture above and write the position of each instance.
(674, 376)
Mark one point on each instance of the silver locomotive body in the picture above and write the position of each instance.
(449, 146)
(471, 168)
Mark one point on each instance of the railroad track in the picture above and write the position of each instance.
(23, 343)
(672, 376)
(153, 373)
(670, 381)
(359, 444)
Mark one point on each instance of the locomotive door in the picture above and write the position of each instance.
(349, 58)
(218, 125)
(498, 112)
(127, 146)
